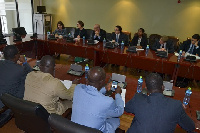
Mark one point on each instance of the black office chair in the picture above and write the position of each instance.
(89, 33)
(5, 116)
(29, 117)
(70, 30)
(108, 36)
(63, 125)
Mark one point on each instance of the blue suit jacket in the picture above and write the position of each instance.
(157, 114)
(12, 78)
(91, 108)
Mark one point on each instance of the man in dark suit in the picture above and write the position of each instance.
(156, 113)
(98, 33)
(164, 44)
(118, 36)
(191, 46)
(140, 39)
(12, 75)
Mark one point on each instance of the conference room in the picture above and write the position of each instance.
(84, 66)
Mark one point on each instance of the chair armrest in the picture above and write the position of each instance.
(67, 114)
(3, 109)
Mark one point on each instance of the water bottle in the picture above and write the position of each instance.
(1, 55)
(147, 50)
(122, 45)
(69, 35)
(180, 55)
(104, 42)
(139, 86)
(86, 70)
(83, 39)
(187, 96)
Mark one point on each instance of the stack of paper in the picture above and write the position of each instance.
(123, 95)
(67, 83)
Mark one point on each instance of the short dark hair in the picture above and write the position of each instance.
(142, 30)
(81, 23)
(195, 36)
(154, 82)
(120, 28)
(10, 51)
(61, 23)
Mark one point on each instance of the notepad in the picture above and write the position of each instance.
(67, 83)
(123, 94)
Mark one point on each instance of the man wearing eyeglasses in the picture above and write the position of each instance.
(191, 46)
(92, 108)
(118, 36)
(98, 33)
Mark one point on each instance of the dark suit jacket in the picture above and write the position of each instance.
(102, 35)
(122, 37)
(82, 33)
(157, 114)
(12, 78)
(186, 45)
(144, 41)
(169, 46)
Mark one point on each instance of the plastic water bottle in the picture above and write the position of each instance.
(122, 45)
(69, 35)
(147, 50)
(104, 42)
(86, 70)
(139, 86)
(187, 96)
(180, 55)
(83, 39)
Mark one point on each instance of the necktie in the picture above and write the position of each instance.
(191, 49)
(117, 37)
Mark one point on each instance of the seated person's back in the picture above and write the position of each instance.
(93, 109)
(12, 75)
(41, 87)
(156, 113)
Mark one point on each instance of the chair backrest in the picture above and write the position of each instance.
(128, 34)
(89, 33)
(108, 36)
(175, 42)
(70, 30)
(60, 124)
(30, 117)
(153, 38)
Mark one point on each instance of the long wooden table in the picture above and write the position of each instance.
(61, 73)
(100, 55)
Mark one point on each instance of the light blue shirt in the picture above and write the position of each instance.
(93, 109)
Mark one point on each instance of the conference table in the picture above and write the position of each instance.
(61, 73)
(101, 56)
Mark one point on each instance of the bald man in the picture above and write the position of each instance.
(92, 108)
(98, 33)
(41, 87)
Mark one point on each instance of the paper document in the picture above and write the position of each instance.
(67, 83)
(123, 95)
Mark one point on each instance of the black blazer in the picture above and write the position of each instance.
(157, 114)
(122, 37)
(12, 78)
(144, 41)
(186, 45)
(169, 46)
(82, 33)
(102, 35)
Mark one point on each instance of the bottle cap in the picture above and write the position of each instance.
(147, 45)
(180, 50)
(86, 64)
(141, 77)
(189, 88)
